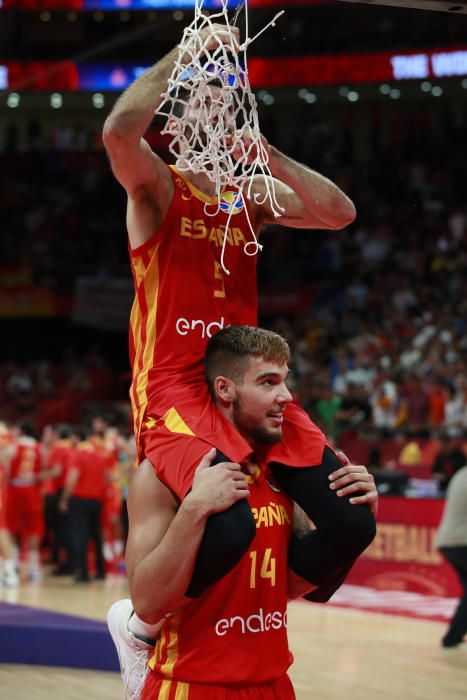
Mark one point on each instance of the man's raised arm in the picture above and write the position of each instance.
(309, 199)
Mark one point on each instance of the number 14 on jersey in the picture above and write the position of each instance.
(262, 568)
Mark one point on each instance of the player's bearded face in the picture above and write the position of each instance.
(206, 116)
(260, 402)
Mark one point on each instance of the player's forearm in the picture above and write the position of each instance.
(160, 580)
(134, 110)
(319, 195)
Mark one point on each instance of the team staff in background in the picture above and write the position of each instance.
(82, 497)
(182, 297)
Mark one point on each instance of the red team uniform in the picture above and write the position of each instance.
(233, 639)
(24, 504)
(6, 440)
(182, 299)
(59, 456)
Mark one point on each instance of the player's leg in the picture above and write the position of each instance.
(79, 525)
(324, 556)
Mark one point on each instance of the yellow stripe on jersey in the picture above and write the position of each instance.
(158, 649)
(182, 691)
(151, 293)
(166, 669)
(253, 473)
(136, 315)
(150, 423)
(175, 423)
(164, 691)
(139, 268)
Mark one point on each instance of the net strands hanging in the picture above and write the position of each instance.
(211, 113)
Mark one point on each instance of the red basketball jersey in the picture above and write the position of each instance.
(59, 456)
(182, 294)
(26, 463)
(236, 632)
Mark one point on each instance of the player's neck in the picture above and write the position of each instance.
(227, 412)
(201, 182)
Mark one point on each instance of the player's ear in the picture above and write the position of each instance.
(224, 389)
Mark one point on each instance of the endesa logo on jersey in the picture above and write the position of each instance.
(205, 329)
(257, 622)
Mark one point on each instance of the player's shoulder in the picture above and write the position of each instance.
(148, 488)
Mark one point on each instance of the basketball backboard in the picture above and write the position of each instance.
(454, 6)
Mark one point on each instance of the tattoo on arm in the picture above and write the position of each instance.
(286, 217)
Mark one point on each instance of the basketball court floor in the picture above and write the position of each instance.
(339, 653)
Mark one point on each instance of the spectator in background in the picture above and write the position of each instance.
(82, 497)
(451, 540)
(384, 403)
(448, 461)
(326, 409)
(437, 396)
(354, 411)
(415, 402)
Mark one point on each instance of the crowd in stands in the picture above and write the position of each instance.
(330, 28)
(42, 392)
(380, 345)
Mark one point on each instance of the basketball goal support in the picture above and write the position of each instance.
(453, 6)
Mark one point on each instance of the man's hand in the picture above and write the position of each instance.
(354, 478)
(63, 506)
(216, 488)
(210, 38)
(247, 147)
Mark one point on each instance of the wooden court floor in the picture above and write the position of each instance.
(338, 653)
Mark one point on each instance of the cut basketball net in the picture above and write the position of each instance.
(224, 140)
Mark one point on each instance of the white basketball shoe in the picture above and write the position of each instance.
(133, 653)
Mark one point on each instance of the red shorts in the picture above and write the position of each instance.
(180, 428)
(24, 511)
(158, 688)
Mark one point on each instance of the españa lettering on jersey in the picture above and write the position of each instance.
(236, 632)
(182, 295)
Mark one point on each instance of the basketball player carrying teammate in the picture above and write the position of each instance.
(182, 299)
(231, 642)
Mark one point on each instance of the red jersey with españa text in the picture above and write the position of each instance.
(236, 632)
(183, 296)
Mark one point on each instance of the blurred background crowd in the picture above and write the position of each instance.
(376, 314)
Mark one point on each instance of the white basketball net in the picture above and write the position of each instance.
(216, 131)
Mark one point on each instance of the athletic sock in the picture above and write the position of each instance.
(9, 567)
(143, 630)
